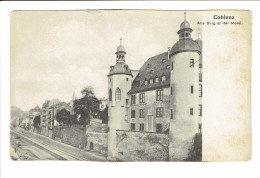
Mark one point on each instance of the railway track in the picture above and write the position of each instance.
(78, 155)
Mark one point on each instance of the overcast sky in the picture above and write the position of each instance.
(54, 53)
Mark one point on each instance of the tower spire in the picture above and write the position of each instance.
(184, 16)
(120, 41)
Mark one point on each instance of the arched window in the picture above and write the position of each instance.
(118, 94)
(110, 95)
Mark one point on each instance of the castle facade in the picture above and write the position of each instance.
(163, 97)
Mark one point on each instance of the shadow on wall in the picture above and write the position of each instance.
(195, 153)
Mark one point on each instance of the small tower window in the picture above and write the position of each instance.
(118, 94)
(191, 111)
(200, 109)
(200, 77)
(200, 90)
(187, 34)
(199, 128)
(163, 78)
(182, 35)
(191, 62)
(191, 89)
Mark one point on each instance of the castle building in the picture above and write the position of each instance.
(163, 97)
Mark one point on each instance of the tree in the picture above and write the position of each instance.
(87, 106)
(64, 116)
(37, 121)
(104, 115)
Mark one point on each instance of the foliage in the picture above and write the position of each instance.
(63, 116)
(87, 106)
(37, 121)
(104, 115)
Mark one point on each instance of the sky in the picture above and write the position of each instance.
(54, 53)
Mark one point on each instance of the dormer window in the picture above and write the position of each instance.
(163, 61)
(191, 62)
(156, 79)
(145, 82)
(152, 71)
(163, 78)
(151, 81)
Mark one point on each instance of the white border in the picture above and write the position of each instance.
(85, 169)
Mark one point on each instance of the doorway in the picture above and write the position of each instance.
(91, 146)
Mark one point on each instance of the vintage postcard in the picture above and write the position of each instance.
(131, 85)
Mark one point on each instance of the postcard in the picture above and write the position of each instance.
(131, 85)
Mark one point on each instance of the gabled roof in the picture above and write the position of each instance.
(156, 66)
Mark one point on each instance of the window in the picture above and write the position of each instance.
(151, 81)
(118, 94)
(200, 90)
(141, 127)
(200, 109)
(200, 65)
(200, 77)
(163, 61)
(126, 102)
(159, 128)
(132, 126)
(191, 111)
(163, 78)
(191, 62)
(191, 89)
(159, 95)
(200, 128)
(110, 95)
(171, 113)
(132, 99)
(127, 79)
(159, 112)
(182, 35)
(142, 98)
(145, 82)
(187, 34)
(132, 113)
(156, 79)
(141, 113)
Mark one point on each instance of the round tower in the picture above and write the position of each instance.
(119, 83)
(184, 58)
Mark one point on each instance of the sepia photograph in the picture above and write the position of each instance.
(126, 85)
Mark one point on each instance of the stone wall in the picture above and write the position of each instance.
(71, 135)
(142, 146)
(97, 141)
(44, 132)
